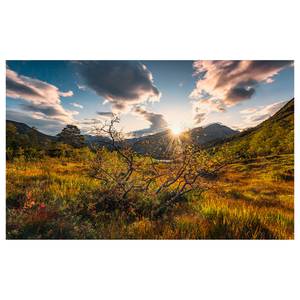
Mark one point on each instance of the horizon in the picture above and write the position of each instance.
(149, 96)
(167, 129)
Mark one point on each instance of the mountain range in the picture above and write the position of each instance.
(275, 133)
(156, 144)
(161, 144)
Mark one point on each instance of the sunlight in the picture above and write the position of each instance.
(176, 130)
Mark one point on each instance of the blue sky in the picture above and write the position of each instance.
(148, 95)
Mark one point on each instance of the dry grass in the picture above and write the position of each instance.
(249, 200)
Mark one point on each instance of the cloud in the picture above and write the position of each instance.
(81, 87)
(248, 110)
(66, 94)
(121, 83)
(157, 122)
(199, 118)
(36, 119)
(38, 97)
(91, 121)
(223, 84)
(92, 125)
(89, 125)
(105, 114)
(202, 108)
(75, 104)
(255, 116)
(56, 112)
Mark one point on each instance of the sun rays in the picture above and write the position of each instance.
(176, 130)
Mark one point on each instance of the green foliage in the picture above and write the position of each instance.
(272, 137)
(71, 135)
(28, 146)
(21, 145)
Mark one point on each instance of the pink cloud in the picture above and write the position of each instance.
(40, 98)
(222, 84)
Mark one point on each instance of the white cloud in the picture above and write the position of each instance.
(257, 115)
(81, 87)
(248, 110)
(75, 104)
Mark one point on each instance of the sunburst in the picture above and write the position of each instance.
(176, 130)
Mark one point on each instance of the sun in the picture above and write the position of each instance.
(176, 130)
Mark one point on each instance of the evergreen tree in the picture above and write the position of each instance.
(71, 135)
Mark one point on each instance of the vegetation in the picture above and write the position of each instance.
(71, 135)
(73, 192)
(273, 136)
(56, 198)
(31, 145)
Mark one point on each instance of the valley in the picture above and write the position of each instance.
(239, 186)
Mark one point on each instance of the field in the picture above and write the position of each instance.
(58, 199)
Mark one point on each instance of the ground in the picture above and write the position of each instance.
(252, 199)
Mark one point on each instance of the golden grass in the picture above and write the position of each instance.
(249, 200)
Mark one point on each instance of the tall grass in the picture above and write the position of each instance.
(53, 199)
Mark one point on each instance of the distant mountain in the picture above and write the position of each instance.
(161, 144)
(273, 136)
(95, 140)
(210, 133)
(22, 128)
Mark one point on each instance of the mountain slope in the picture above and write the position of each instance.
(210, 133)
(271, 137)
(23, 129)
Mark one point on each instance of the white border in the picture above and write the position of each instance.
(148, 30)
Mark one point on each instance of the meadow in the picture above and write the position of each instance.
(54, 198)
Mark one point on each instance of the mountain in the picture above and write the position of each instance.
(210, 133)
(23, 129)
(271, 137)
(91, 140)
(161, 144)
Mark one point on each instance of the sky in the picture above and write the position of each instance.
(148, 96)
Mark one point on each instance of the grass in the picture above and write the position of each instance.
(54, 199)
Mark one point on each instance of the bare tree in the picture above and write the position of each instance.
(144, 174)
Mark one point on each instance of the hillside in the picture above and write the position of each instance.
(25, 129)
(20, 135)
(271, 137)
